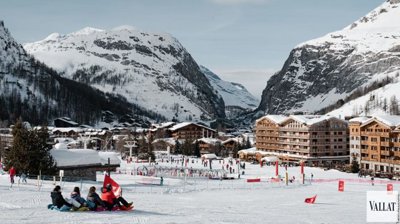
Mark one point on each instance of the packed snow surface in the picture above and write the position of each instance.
(201, 200)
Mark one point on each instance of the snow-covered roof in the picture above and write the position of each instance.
(253, 149)
(114, 158)
(270, 159)
(75, 157)
(65, 130)
(170, 141)
(211, 141)
(389, 120)
(231, 139)
(184, 124)
(164, 125)
(311, 119)
(209, 156)
(360, 119)
(275, 118)
(83, 157)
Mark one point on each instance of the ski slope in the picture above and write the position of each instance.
(201, 200)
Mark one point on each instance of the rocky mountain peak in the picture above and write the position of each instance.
(322, 71)
(141, 66)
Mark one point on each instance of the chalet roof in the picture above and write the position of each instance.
(231, 139)
(389, 120)
(360, 119)
(170, 141)
(211, 141)
(311, 119)
(275, 118)
(184, 124)
(83, 157)
(65, 130)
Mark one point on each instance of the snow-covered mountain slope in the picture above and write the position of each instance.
(234, 94)
(36, 93)
(151, 70)
(384, 100)
(319, 72)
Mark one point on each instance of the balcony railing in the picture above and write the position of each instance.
(384, 134)
(294, 143)
(294, 136)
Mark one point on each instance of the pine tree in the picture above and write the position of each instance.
(197, 149)
(17, 155)
(355, 167)
(30, 152)
(177, 147)
(39, 152)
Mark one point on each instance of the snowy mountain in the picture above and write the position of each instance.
(151, 70)
(322, 71)
(38, 94)
(235, 95)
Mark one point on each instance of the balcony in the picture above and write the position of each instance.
(387, 153)
(387, 144)
(294, 143)
(294, 136)
(294, 129)
(382, 134)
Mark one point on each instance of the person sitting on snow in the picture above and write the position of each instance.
(95, 198)
(110, 200)
(58, 201)
(76, 195)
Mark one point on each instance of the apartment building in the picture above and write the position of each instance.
(310, 138)
(188, 130)
(375, 142)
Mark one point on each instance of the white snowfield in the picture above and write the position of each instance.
(200, 200)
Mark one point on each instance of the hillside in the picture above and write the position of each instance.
(151, 70)
(322, 71)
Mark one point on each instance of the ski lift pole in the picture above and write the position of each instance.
(108, 166)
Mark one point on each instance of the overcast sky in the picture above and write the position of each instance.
(240, 40)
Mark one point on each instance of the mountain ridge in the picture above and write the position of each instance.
(324, 70)
(141, 66)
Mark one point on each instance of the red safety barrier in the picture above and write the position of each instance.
(253, 180)
(389, 187)
(341, 185)
(356, 181)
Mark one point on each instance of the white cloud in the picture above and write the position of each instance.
(255, 80)
(238, 2)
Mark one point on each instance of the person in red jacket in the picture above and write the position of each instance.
(110, 200)
(12, 173)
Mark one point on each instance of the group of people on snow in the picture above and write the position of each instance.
(93, 201)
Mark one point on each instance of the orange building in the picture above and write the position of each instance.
(377, 142)
(311, 138)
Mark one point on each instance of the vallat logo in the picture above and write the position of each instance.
(382, 206)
